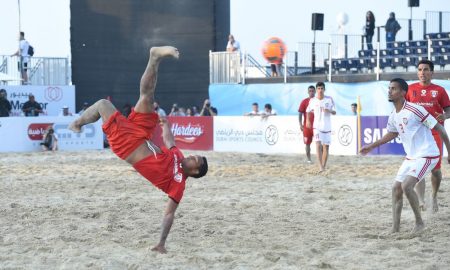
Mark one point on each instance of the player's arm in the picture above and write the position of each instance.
(169, 216)
(168, 139)
(444, 136)
(445, 115)
(300, 120)
(386, 138)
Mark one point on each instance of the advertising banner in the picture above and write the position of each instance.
(373, 128)
(23, 134)
(191, 133)
(51, 98)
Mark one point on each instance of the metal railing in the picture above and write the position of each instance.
(41, 70)
(225, 67)
(437, 21)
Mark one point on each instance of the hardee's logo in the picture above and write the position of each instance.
(188, 133)
(36, 131)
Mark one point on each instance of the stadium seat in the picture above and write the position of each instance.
(398, 44)
(362, 63)
(371, 63)
(352, 64)
(397, 51)
(431, 36)
(421, 50)
(439, 43)
(410, 61)
(364, 53)
(397, 62)
(385, 62)
(410, 51)
(443, 35)
(340, 65)
(385, 53)
(445, 62)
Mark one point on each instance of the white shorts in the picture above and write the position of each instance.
(417, 168)
(323, 137)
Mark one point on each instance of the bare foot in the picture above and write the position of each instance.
(435, 205)
(164, 51)
(160, 249)
(75, 127)
(418, 228)
(422, 206)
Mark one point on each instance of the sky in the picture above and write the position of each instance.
(46, 23)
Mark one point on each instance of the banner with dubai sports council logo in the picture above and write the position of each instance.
(51, 98)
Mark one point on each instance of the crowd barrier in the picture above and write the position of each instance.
(24, 134)
(250, 134)
(51, 98)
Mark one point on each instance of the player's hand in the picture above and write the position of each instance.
(159, 248)
(365, 150)
(440, 117)
(301, 127)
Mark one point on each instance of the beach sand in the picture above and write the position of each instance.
(90, 210)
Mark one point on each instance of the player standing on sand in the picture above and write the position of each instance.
(412, 123)
(307, 132)
(435, 100)
(129, 139)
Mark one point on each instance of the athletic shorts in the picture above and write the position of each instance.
(126, 134)
(307, 135)
(438, 140)
(323, 137)
(417, 168)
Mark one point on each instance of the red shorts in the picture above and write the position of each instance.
(438, 140)
(126, 134)
(307, 135)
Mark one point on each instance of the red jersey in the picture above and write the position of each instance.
(432, 97)
(165, 172)
(302, 109)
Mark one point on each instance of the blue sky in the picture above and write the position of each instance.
(47, 22)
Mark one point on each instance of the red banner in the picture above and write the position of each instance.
(191, 133)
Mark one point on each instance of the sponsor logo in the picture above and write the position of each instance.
(187, 134)
(345, 135)
(423, 92)
(405, 120)
(434, 93)
(36, 131)
(53, 93)
(372, 135)
(271, 135)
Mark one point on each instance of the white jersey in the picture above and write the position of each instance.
(322, 119)
(413, 124)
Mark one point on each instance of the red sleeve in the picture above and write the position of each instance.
(408, 94)
(176, 189)
(303, 106)
(443, 99)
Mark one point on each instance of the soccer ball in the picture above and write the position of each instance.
(274, 50)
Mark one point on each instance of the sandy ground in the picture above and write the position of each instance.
(90, 210)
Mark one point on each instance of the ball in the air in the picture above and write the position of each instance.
(274, 50)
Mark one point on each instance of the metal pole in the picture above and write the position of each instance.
(410, 32)
(330, 69)
(440, 21)
(346, 46)
(313, 58)
(378, 61)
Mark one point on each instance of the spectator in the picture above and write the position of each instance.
(274, 69)
(158, 109)
(31, 107)
(369, 29)
(65, 111)
(5, 105)
(126, 109)
(85, 106)
(233, 45)
(207, 109)
(24, 57)
(392, 27)
(268, 111)
(354, 108)
(50, 142)
(254, 111)
(189, 112)
(176, 111)
(195, 111)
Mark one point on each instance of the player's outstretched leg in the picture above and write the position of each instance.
(436, 177)
(397, 205)
(408, 189)
(148, 80)
(102, 108)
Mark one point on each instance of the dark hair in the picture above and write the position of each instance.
(22, 34)
(255, 103)
(426, 62)
(312, 86)
(268, 106)
(320, 84)
(202, 170)
(402, 83)
(354, 104)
